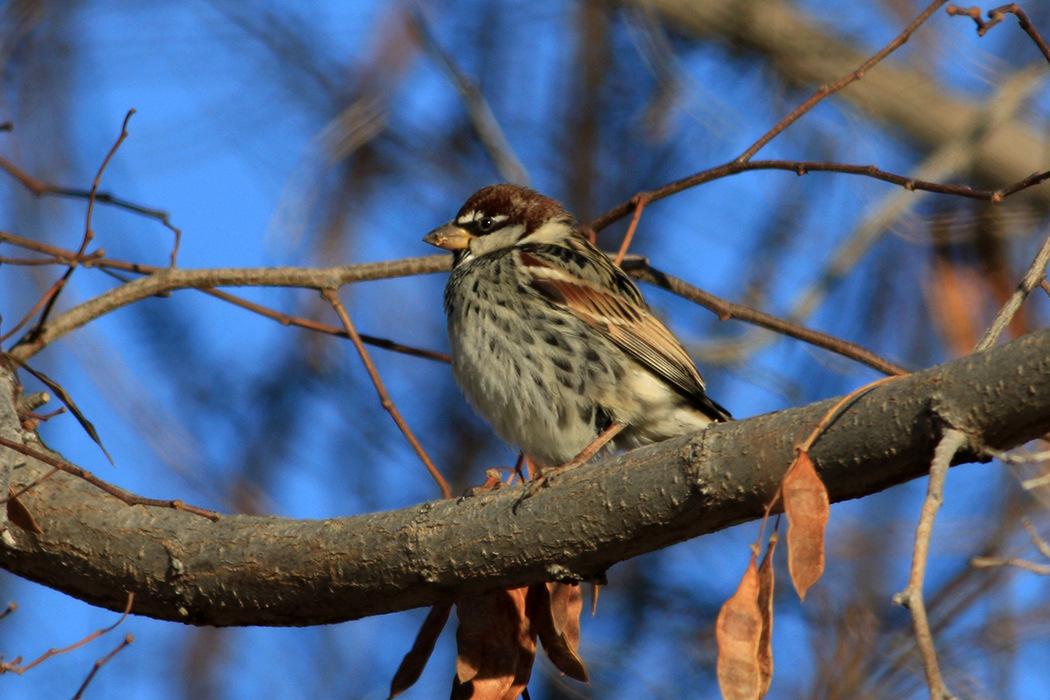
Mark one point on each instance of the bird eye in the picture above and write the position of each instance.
(486, 223)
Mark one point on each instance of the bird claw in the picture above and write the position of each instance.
(493, 482)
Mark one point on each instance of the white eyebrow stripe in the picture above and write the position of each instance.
(475, 215)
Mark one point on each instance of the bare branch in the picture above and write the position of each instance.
(951, 442)
(826, 90)
(996, 16)
(170, 279)
(13, 666)
(128, 639)
(41, 189)
(125, 496)
(332, 297)
(60, 284)
(251, 570)
(1032, 278)
(640, 269)
(802, 167)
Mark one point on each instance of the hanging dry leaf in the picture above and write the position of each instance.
(738, 632)
(807, 508)
(765, 608)
(555, 611)
(65, 398)
(19, 515)
(496, 646)
(416, 659)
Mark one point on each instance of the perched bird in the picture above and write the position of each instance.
(551, 342)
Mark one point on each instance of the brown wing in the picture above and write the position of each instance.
(626, 321)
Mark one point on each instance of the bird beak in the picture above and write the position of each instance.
(450, 237)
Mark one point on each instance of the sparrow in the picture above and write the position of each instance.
(551, 342)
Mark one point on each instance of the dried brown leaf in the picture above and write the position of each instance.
(496, 646)
(65, 398)
(18, 514)
(807, 508)
(416, 659)
(955, 294)
(555, 611)
(765, 608)
(738, 632)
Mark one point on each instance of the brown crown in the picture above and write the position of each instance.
(519, 203)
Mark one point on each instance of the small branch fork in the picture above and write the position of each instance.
(804, 167)
(998, 15)
(1040, 544)
(332, 297)
(117, 492)
(641, 269)
(164, 280)
(13, 667)
(828, 90)
(912, 597)
(56, 289)
(1034, 277)
(743, 162)
(198, 279)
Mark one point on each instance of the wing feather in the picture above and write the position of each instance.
(622, 317)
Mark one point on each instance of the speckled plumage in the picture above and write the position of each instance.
(550, 341)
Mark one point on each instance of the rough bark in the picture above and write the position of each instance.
(245, 570)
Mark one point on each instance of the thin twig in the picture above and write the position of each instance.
(641, 269)
(29, 487)
(13, 666)
(125, 496)
(998, 15)
(128, 639)
(11, 607)
(52, 290)
(88, 233)
(912, 596)
(1023, 458)
(1036, 273)
(97, 260)
(803, 167)
(332, 297)
(639, 206)
(827, 90)
(990, 562)
(310, 324)
(170, 279)
(40, 189)
(1042, 545)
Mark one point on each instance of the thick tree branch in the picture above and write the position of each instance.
(247, 570)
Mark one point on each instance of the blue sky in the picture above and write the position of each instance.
(201, 401)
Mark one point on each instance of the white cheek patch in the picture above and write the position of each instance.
(500, 238)
(553, 232)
